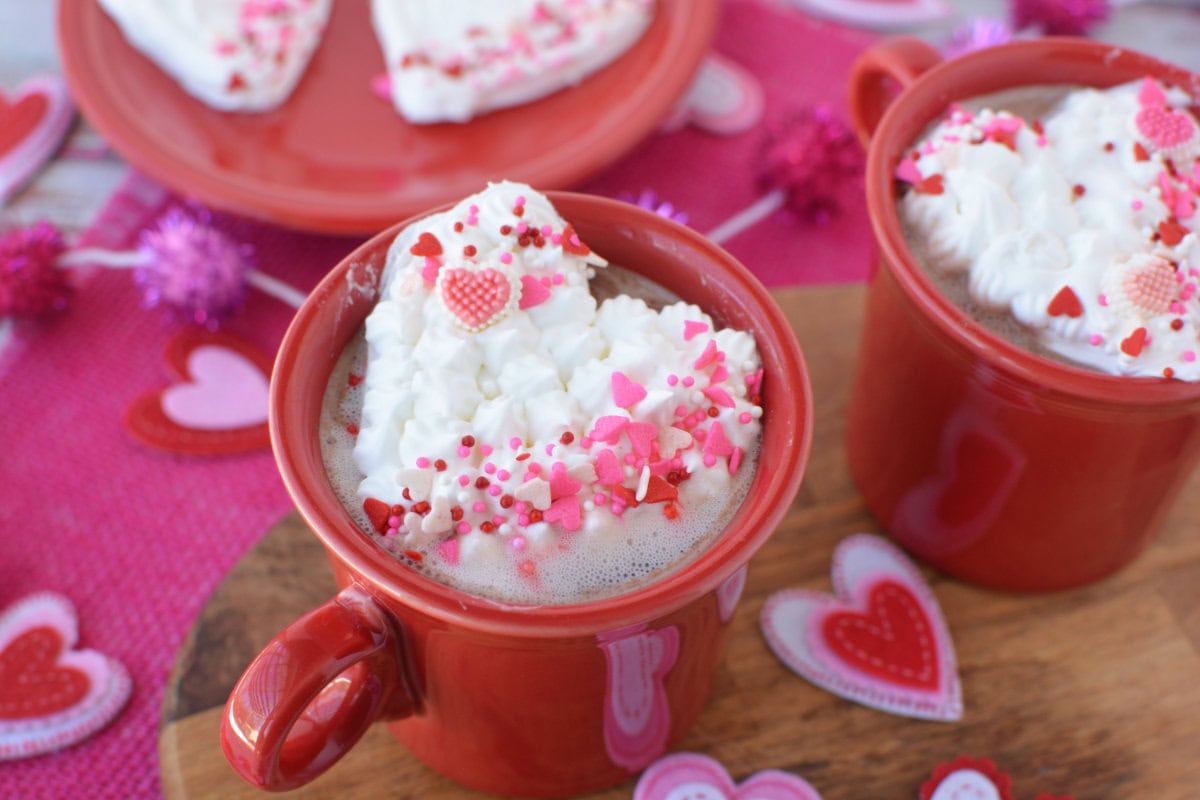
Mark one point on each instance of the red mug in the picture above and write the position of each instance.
(995, 465)
(537, 701)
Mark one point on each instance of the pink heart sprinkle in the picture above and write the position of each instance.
(564, 511)
(699, 777)
(626, 392)
(608, 428)
(533, 292)
(907, 171)
(717, 443)
(608, 469)
(718, 396)
(692, 329)
(477, 299)
(641, 436)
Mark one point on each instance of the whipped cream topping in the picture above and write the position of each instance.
(520, 441)
(234, 55)
(455, 59)
(1079, 224)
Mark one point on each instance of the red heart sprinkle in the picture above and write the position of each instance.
(659, 491)
(1132, 344)
(1139, 152)
(427, 245)
(1065, 303)
(377, 512)
(571, 243)
(932, 184)
(1171, 232)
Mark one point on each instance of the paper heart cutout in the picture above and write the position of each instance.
(219, 408)
(637, 715)
(878, 13)
(967, 779)
(476, 298)
(51, 695)
(880, 640)
(33, 123)
(724, 98)
(691, 776)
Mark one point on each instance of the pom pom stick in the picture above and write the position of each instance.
(182, 262)
(807, 160)
(1059, 17)
(977, 34)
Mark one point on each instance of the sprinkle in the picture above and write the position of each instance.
(464, 527)
(693, 328)
(1078, 190)
(1189, 356)
(422, 462)
(439, 465)
(1065, 303)
(1136, 205)
(707, 357)
(1096, 339)
(745, 418)
(735, 460)
(464, 480)
(688, 381)
(643, 484)
(672, 379)
(514, 443)
(517, 543)
(719, 396)
(506, 258)
(463, 452)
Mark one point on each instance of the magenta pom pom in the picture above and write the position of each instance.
(1059, 17)
(977, 35)
(30, 282)
(193, 267)
(812, 156)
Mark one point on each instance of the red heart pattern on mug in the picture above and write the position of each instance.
(33, 123)
(692, 776)
(880, 640)
(52, 695)
(220, 405)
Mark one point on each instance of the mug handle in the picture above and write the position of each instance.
(311, 693)
(880, 73)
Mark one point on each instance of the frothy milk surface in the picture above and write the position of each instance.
(1063, 217)
(503, 432)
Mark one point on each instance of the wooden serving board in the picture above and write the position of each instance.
(1092, 693)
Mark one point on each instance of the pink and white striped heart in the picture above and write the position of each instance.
(692, 776)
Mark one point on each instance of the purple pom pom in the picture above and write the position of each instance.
(649, 200)
(977, 35)
(193, 267)
(30, 283)
(812, 156)
(1059, 17)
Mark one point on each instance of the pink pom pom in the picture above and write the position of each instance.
(1059, 17)
(649, 200)
(977, 35)
(192, 266)
(813, 156)
(30, 283)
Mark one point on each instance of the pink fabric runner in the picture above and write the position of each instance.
(139, 539)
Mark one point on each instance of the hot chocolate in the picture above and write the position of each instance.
(1062, 218)
(503, 432)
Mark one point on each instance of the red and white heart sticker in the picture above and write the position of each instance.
(52, 695)
(880, 640)
(725, 98)
(884, 14)
(220, 405)
(967, 778)
(33, 123)
(691, 776)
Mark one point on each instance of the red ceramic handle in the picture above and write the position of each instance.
(313, 691)
(879, 73)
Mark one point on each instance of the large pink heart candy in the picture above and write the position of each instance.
(1165, 127)
(477, 298)
(879, 641)
(52, 695)
(32, 126)
(691, 776)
